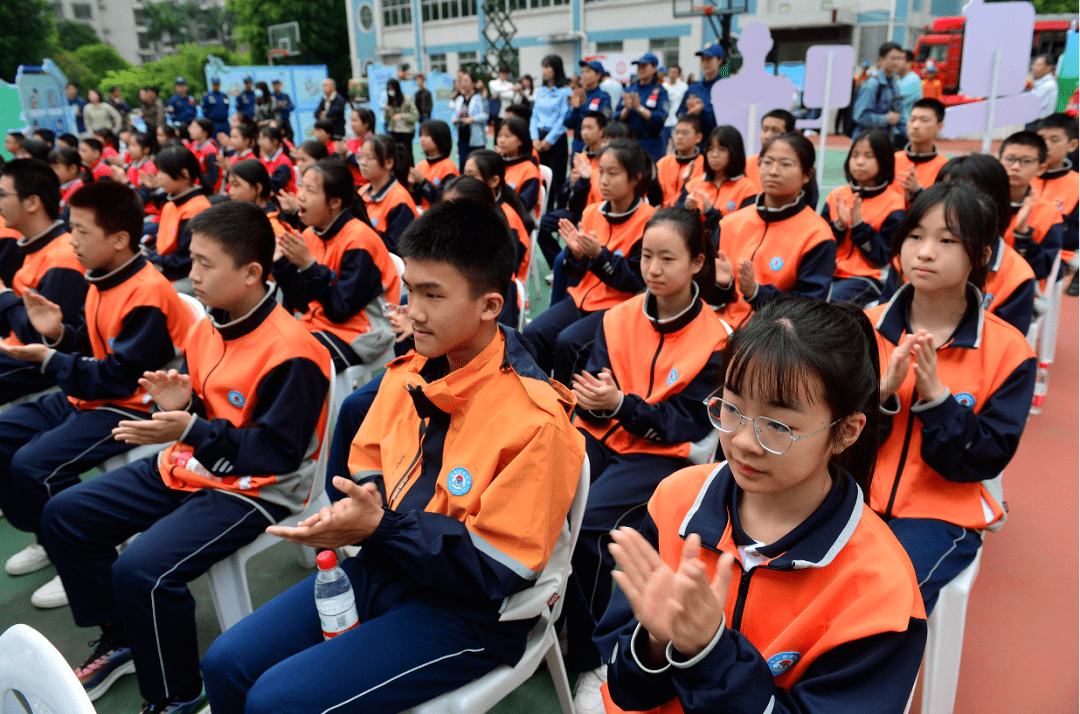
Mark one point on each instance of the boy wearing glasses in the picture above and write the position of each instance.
(1036, 229)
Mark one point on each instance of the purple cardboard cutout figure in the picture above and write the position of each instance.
(752, 91)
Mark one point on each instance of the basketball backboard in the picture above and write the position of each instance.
(285, 37)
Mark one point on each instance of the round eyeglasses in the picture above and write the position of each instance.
(774, 436)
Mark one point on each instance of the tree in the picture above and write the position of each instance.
(27, 33)
(73, 35)
(188, 62)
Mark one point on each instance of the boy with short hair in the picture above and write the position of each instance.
(1036, 228)
(1059, 183)
(918, 163)
(456, 532)
(90, 151)
(135, 322)
(30, 204)
(244, 426)
(675, 171)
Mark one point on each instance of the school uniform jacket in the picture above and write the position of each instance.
(259, 384)
(732, 194)
(1045, 240)
(477, 468)
(50, 267)
(615, 274)
(926, 166)
(1009, 292)
(864, 250)
(521, 238)
(596, 100)
(390, 211)
(172, 251)
(827, 620)
(942, 458)
(280, 168)
(11, 256)
(345, 287)
(792, 249)
(1063, 185)
(242, 156)
(101, 171)
(135, 322)
(523, 176)
(134, 176)
(675, 172)
(206, 153)
(664, 369)
(584, 192)
(436, 171)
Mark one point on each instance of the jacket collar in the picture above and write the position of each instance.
(181, 198)
(814, 543)
(1051, 174)
(869, 191)
(893, 323)
(675, 323)
(684, 160)
(1015, 206)
(919, 158)
(518, 159)
(335, 226)
(773, 215)
(104, 281)
(36, 243)
(617, 218)
(372, 197)
(241, 326)
(996, 253)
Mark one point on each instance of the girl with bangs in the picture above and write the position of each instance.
(724, 187)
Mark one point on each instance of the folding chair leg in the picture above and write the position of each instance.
(229, 590)
(557, 669)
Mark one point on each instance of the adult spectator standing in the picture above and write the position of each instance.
(98, 114)
(332, 107)
(181, 106)
(698, 97)
(547, 125)
(1045, 86)
(525, 92)
(613, 87)
(400, 114)
(215, 107)
(78, 102)
(245, 101)
(589, 97)
(470, 117)
(644, 106)
(676, 88)
(116, 99)
(284, 105)
(265, 106)
(153, 109)
(878, 104)
(501, 89)
(425, 104)
(909, 84)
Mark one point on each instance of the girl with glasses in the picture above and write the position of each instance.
(763, 583)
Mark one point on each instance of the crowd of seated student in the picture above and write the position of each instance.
(652, 299)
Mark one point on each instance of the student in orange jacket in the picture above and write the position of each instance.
(763, 583)
(1059, 182)
(522, 172)
(957, 383)
(275, 158)
(918, 163)
(675, 171)
(487, 166)
(1036, 229)
(723, 188)
(655, 357)
(249, 181)
(773, 124)
(428, 176)
(390, 207)
(178, 175)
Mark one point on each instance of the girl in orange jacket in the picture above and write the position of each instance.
(390, 207)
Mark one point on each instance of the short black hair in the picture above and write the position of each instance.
(69, 139)
(93, 143)
(116, 206)
(519, 110)
(34, 177)
(909, 56)
(693, 120)
(882, 148)
(36, 148)
(46, 135)
(473, 238)
(314, 148)
(1061, 121)
(787, 117)
(326, 125)
(600, 118)
(439, 132)
(728, 137)
(888, 47)
(1025, 138)
(16, 135)
(617, 130)
(241, 229)
(931, 103)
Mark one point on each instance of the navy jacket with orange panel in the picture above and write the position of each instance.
(135, 322)
(1063, 185)
(674, 173)
(792, 249)
(731, 195)
(436, 172)
(615, 274)
(1009, 292)
(280, 168)
(523, 177)
(521, 238)
(1047, 231)
(583, 192)
(927, 167)
(259, 384)
(863, 250)
(172, 250)
(477, 468)
(664, 369)
(11, 258)
(390, 211)
(344, 290)
(50, 267)
(826, 620)
(946, 466)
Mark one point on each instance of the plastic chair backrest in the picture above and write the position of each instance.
(399, 265)
(30, 665)
(545, 190)
(198, 310)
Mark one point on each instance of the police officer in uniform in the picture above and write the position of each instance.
(215, 107)
(587, 98)
(284, 102)
(245, 101)
(698, 97)
(181, 106)
(644, 106)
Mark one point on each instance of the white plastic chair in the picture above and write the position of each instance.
(545, 189)
(228, 578)
(523, 304)
(481, 694)
(30, 665)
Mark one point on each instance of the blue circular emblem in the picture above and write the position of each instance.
(513, 186)
(618, 253)
(459, 481)
(374, 221)
(731, 205)
(112, 340)
(966, 399)
(776, 263)
(672, 376)
(236, 399)
(782, 662)
(436, 180)
(988, 300)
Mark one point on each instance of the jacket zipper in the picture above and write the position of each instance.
(411, 469)
(652, 369)
(740, 601)
(903, 454)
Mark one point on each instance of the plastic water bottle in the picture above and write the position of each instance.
(1041, 378)
(334, 597)
(187, 460)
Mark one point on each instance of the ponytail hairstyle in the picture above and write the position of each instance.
(689, 225)
(439, 131)
(253, 172)
(70, 157)
(520, 129)
(470, 189)
(169, 131)
(272, 132)
(338, 183)
(315, 149)
(882, 148)
(206, 125)
(490, 164)
(386, 149)
(639, 167)
(247, 131)
(729, 138)
(367, 116)
(173, 160)
(795, 351)
(106, 137)
(988, 175)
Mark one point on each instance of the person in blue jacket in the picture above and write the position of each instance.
(181, 106)
(245, 101)
(644, 106)
(588, 98)
(215, 107)
(283, 101)
(698, 97)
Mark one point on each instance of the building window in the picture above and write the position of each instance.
(447, 9)
(437, 63)
(397, 12)
(144, 42)
(667, 49)
(58, 10)
(140, 16)
(81, 11)
(603, 48)
(367, 18)
(534, 4)
(467, 62)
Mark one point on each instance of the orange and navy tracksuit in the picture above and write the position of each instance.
(1009, 291)
(523, 177)
(1044, 238)
(731, 195)
(259, 384)
(753, 172)
(352, 158)
(280, 168)
(1063, 185)
(341, 295)
(436, 171)
(390, 211)
(135, 322)
(11, 258)
(825, 620)
(664, 370)
(101, 171)
(573, 197)
(521, 238)
(792, 249)
(207, 153)
(936, 481)
(171, 250)
(862, 251)
(674, 173)
(134, 176)
(560, 335)
(926, 166)
(477, 469)
(65, 193)
(49, 267)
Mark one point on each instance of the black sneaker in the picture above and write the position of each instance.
(109, 661)
(171, 706)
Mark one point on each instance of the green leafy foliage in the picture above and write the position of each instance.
(323, 33)
(70, 35)
(188, 62)
(27, 34)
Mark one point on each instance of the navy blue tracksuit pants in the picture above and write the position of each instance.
(145, 587)
(939, 551)
(619, 494)
(19, 378)
(562, 337)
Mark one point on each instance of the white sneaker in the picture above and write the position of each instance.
(587, 696)
(50, 595)
(30, 559)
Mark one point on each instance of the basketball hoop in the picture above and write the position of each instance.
(273, 52)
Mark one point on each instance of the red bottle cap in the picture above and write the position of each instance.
(326, 559)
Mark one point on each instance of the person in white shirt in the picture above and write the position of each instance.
(1045, 86)
(613, 87)
(504, 90)
(676, 89)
